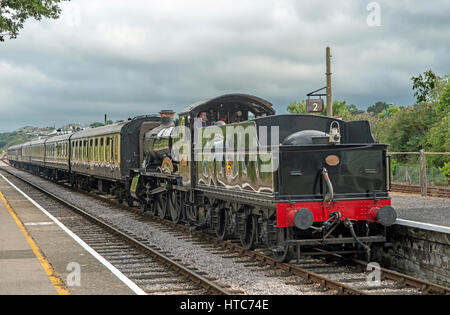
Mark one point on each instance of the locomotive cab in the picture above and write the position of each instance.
(332, 177)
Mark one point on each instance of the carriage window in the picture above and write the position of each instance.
(102, 149)
(91, 145)
(107, 149)
(96, 150)
(85, 144)
(112, 149)
(116, 149)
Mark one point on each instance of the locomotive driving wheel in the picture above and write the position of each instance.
(176, 205)
(161, 205)
(282, 253)
(248, 235)
(222, 224)
(147, 206)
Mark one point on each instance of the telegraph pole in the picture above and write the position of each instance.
(329, 87)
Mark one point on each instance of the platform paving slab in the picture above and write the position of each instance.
(422, 209)
(59, 248)
(20, 270)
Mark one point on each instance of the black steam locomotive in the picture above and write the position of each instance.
(229, 164)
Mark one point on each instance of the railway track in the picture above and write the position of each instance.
(154, 271)
(413, 189)
(340, 275)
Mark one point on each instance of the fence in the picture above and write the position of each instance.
(410, 168)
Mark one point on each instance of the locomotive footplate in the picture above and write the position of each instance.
(334, 241)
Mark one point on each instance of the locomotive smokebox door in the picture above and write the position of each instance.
(314, 106)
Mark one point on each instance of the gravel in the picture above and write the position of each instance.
(249, 280)
(229, 272)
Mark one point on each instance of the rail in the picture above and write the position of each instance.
(201, 281)
(307, 275)
(423, 173)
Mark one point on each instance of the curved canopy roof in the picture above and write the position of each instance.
(99, 131)
(59, 138)
(254, 104)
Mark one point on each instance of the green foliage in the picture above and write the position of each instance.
(377, 108)
(340, 109)
(96, 124)
(393, 110)
(14, 13)
(424, 125)
(424, 85)
(297, 108)
(355, 110)
(445, 170)
(406, 131)
(443, 96)
(8, 139)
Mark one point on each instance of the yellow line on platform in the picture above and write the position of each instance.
(51, 273)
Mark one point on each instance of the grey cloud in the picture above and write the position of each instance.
(137, 57)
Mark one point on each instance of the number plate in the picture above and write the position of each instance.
(314, 106)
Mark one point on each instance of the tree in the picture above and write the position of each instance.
(437, 138)
(423, 126)
(340, 108)
(407, 131)
(96, 124)
(377, 108)
(297, 108)
(355, 110)
(442, 94)
(393, 110)
(14, 13)
(424, 85)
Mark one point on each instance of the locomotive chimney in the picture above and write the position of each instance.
(167, 116)
(167, 113)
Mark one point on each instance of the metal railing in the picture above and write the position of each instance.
(411, 168)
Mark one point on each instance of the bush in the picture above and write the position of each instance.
(445, 170)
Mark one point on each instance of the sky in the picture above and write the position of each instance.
(134, 57)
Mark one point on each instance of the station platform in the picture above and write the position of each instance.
(21, 271)
(428, 213)
(37, 257)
